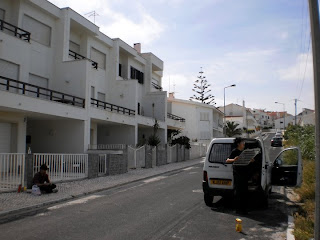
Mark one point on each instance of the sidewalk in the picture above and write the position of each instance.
(12, 202)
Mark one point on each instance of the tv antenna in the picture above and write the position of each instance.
(92, 14)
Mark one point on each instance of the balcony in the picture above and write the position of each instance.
(156, 86)
(31, 90)
(111, 107)
(77, 56)
(176, 118)
(17, 32)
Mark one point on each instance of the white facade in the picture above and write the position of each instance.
(242, 116)
(76, 86)
(203, 122)
(262, 118)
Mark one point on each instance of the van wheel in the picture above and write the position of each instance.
(208, 199)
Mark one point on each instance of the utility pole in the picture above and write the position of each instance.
(315, 33)
(295, 111)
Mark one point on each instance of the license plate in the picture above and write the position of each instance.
(221, 182)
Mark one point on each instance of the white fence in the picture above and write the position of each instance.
(171, 154)
(102, 164)
(12, 167)
(198, 150)
(107, 147)
(136, 157)
(62, 166)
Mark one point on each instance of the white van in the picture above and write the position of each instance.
(285, 170)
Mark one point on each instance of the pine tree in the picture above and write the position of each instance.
(202, 91)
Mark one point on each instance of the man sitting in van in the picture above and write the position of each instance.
(240, 176)
(41, 179)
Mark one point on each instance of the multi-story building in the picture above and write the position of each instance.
(262, 118)
(66, 86)
(242, 116)
(203, 122)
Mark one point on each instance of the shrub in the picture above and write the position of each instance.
(183, 140)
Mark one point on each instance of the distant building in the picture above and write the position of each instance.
(243, 116)
(203, 122)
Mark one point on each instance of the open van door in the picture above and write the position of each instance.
(287, 168)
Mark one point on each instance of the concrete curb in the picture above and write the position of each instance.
(20, 211)
(290, 228)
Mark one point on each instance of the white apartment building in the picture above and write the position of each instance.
(203, 122)
(242, 116)
(262, 118)
(66, 87)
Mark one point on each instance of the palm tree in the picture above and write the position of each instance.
(232, 129)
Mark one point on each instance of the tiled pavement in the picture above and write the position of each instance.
(13, 201)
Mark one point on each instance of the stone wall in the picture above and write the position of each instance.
(93, 165)
(148, 156)
(117, 164)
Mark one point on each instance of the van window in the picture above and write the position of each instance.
(220, 152)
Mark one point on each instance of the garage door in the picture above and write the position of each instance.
(5, 137)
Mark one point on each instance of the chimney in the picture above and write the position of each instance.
(137, 47)
(171, 95)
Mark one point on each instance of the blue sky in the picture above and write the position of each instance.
(261, 46)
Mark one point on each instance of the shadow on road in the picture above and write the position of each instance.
(276, 216)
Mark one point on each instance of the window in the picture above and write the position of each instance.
(120, 70)
(204, 116)
(74, 47)
(98, 57)
(9, 70)
(39, 82)
(136, 74)
(220, 152)
(138, 108)
(40, 32)
(2, 13)
(205, 136)
(101, 97)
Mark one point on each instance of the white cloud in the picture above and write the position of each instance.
(144, 28)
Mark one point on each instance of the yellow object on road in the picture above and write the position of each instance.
(238, 225)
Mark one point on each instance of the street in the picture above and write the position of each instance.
(169, 206)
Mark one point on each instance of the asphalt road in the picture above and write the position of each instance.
(165, 207)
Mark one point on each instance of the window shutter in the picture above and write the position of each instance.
(98, 57)
(40, 32)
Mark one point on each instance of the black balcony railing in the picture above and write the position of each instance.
(174, 117)
(77, 56)
(31, 90)
(17, 32)
(111, 107)
(156, 86)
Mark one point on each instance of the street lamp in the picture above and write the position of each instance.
(224, 107)
(284, 115)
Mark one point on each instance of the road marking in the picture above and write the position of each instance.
(188, 168)
(78, 201)
(154, 179)
(197, 191)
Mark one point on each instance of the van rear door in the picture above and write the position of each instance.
(287, 168)
(220, 174)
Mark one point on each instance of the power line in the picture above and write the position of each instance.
(305, 69)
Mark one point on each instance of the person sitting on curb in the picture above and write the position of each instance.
(41, 179)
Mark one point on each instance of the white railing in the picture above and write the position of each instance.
(12, 166)
(107, 147)
(62, 167)
(136, 157)
(102, 164)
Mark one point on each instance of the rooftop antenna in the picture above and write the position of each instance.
(94, 14)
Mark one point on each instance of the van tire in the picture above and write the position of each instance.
(208, 199)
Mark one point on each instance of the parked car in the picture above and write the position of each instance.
(276, 142)
(278, 134)
(284, 170)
